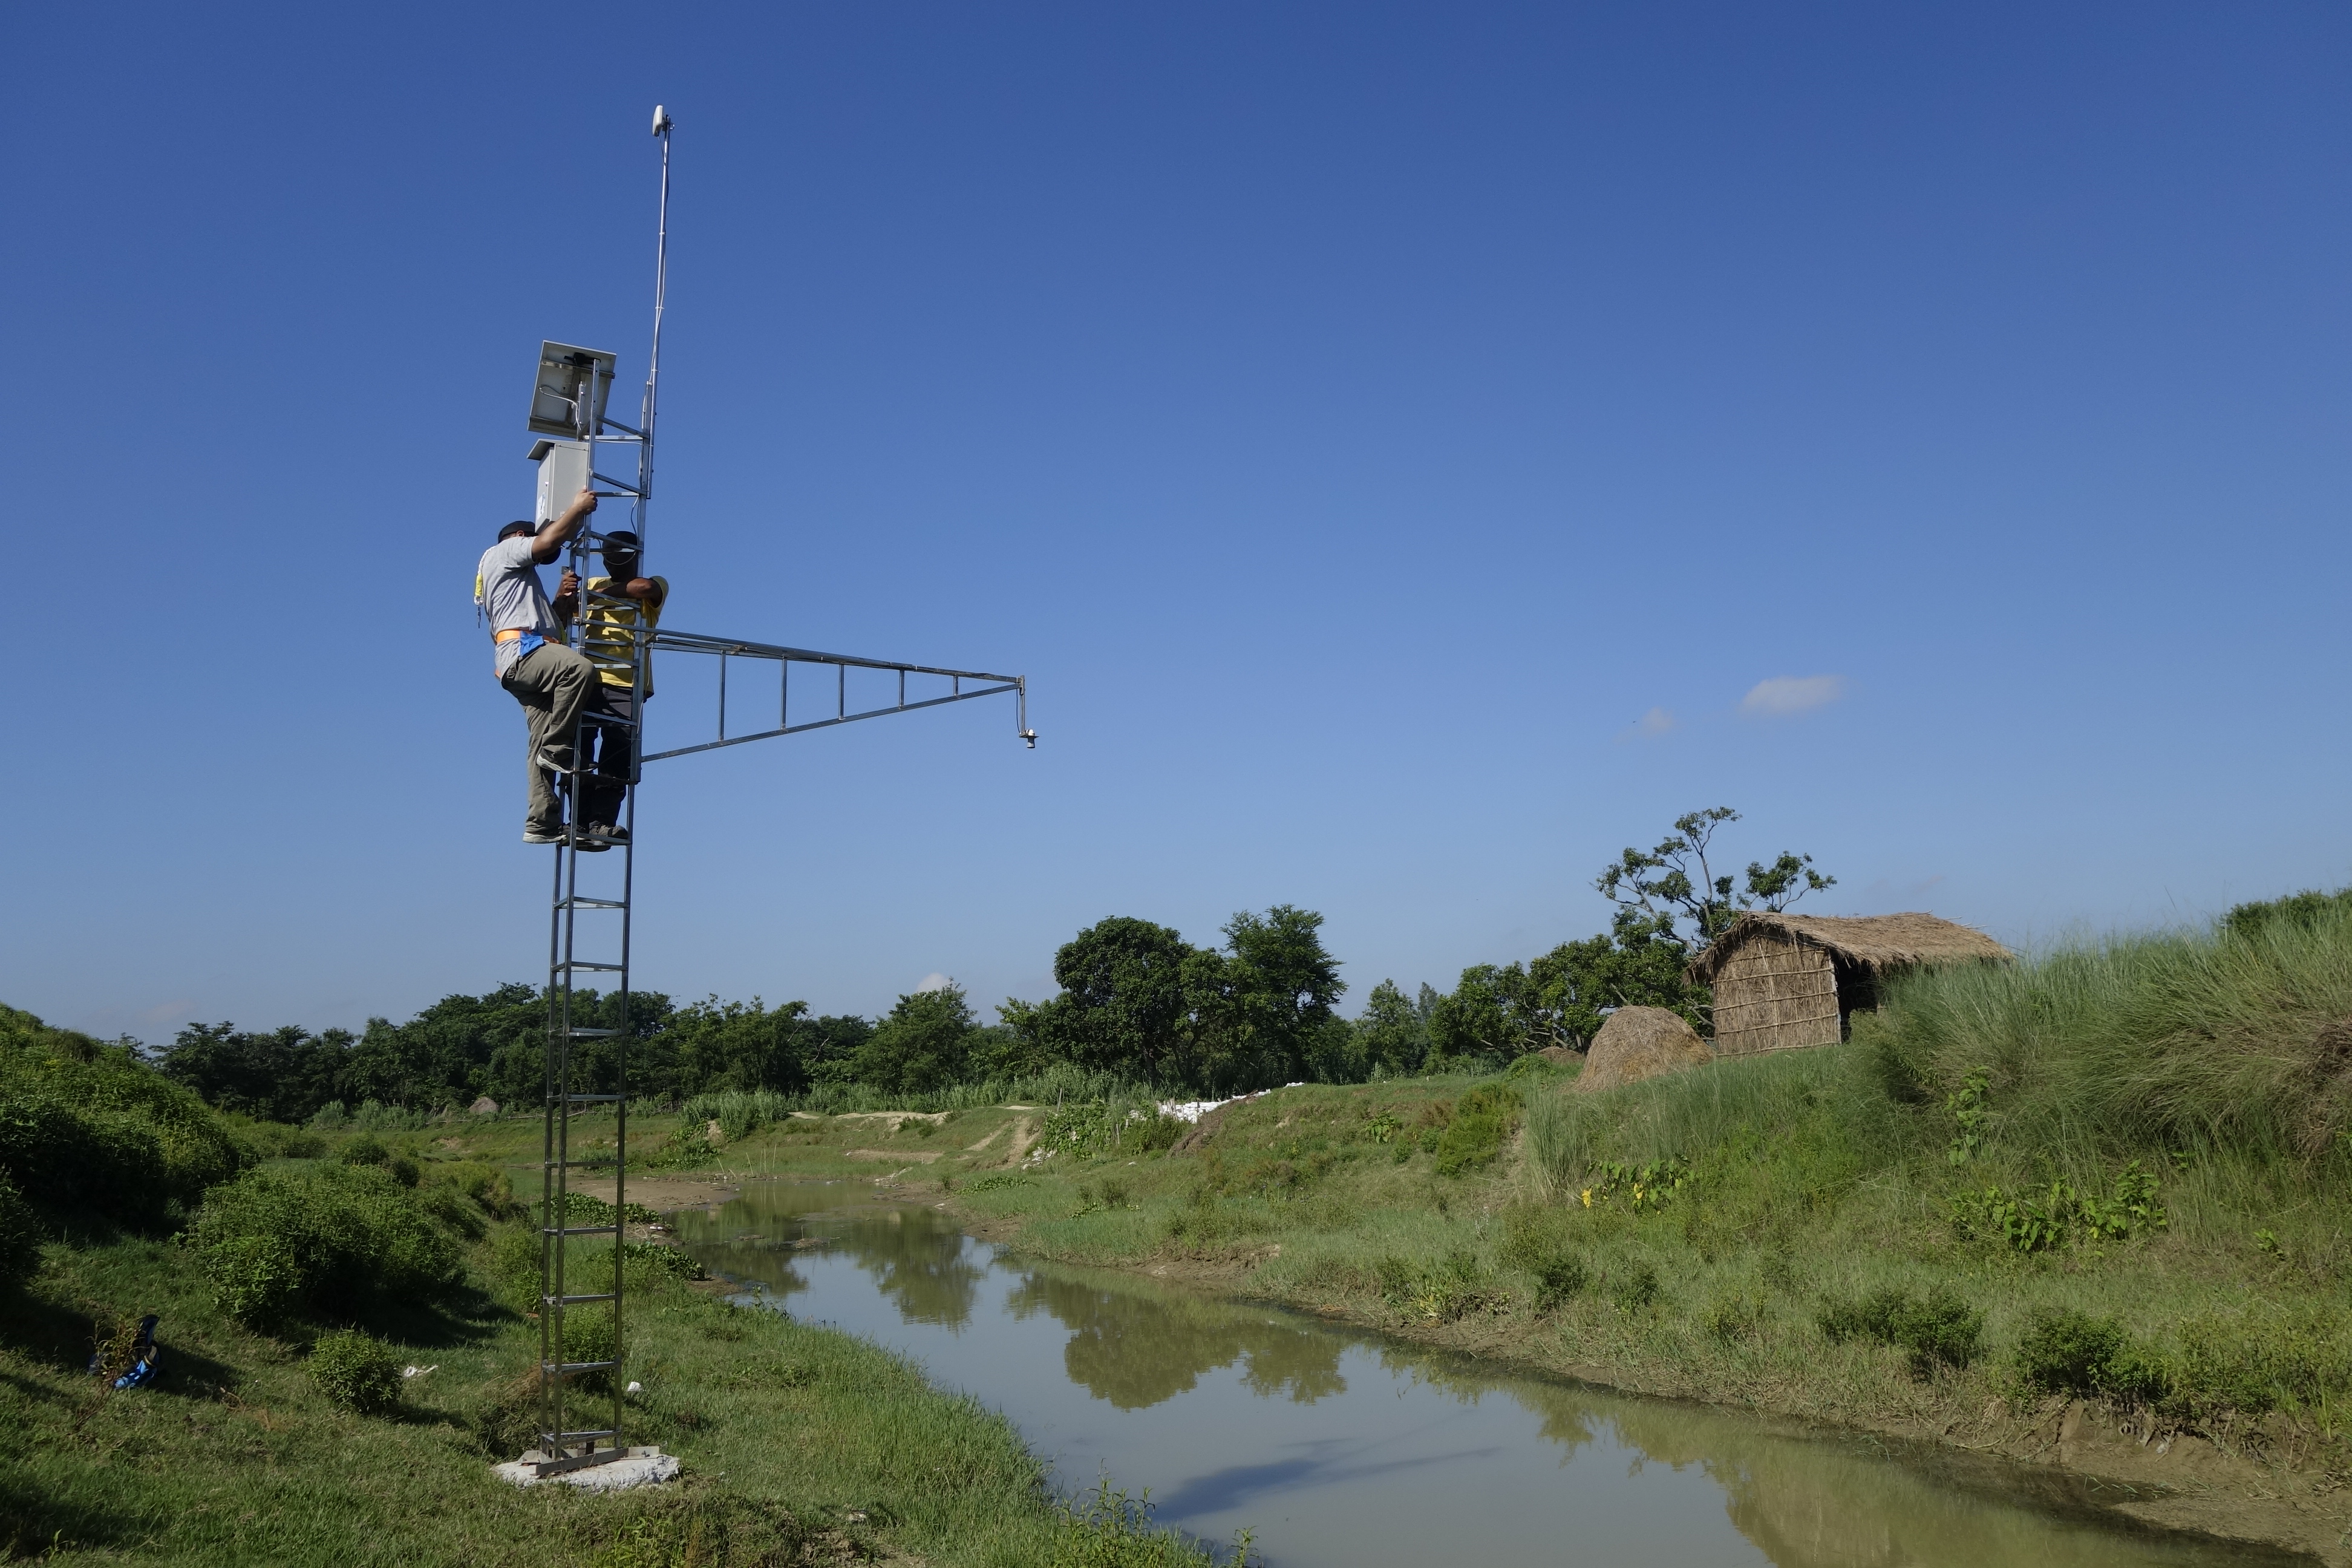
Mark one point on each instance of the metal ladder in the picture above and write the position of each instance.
(599, 951)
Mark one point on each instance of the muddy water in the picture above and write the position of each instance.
(1333, 1447)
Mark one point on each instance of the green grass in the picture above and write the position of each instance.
(296, 1274)
(2147, 1136)
(790, 1435)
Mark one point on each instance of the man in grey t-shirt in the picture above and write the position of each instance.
(551, 681)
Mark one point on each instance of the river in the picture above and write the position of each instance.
(1335, 1448)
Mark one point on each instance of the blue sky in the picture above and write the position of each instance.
(1414, 452)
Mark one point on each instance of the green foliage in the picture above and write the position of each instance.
(1734, 1316)
(2064, 1351)
(1474, 1136)
(1653, 1185)
(1085, 1131)
(1965, 1106)
(20, 1238)
(332, 1238)
(1636, 1289)
(2307, 909)
(1538, 1242)
(2062, 1213)
(356, 1371)
(924, 1043)
(1393, 1032)
(90, 1126)
(688, 1148)
(1676, 882)
(2262, 1358)
(1453, 1287)
(1937, 1330)
(2139, 1045)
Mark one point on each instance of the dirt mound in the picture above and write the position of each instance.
(1636, 1043)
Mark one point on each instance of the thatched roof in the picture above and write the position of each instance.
(1879, 942)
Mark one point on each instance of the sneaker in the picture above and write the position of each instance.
(547, 760)
(607, 831)
(587, 846)
(542, 835)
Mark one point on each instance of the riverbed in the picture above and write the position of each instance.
(1333, 1448)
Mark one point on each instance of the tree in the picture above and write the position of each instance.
(1676, 882)
(1122, 1006)
(1394, 1032)
(717, 1044)
(924, 1043)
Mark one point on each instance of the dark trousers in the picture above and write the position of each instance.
(607, 749)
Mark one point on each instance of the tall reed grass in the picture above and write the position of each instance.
(2234, 1043)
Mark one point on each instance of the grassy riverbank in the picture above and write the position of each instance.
(800, 1444)
(2089, 1211)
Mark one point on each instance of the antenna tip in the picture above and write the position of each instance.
(661, 121)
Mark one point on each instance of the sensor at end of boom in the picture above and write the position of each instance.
(1030, 737)
(661, 121)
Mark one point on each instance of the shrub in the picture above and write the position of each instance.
(356, 1371)
(20, 1239)
(2068, 1352)
(1940, 1331)
(92, 1126)
(2262, 1361)
(1636, 1289)
(1474, 1135)
(366, 1148)
(1535, 1241)
(329, 1238)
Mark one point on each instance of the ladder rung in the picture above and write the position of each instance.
(567, 1368)
(591, 1099)
(593, 1034)
(614, 718)
(555, 1437)
(587, 1163)
(579, 1230)
(589, 904)
(572, 1301)
(584, 963)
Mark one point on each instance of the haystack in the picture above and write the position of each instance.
(1635, 1043)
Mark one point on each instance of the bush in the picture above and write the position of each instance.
(1535, 1241)
(2263, 1360)
(2068, 1352)
(20, 1238)
(356, 1371)
(1474, 1136)
(331, 1238)
(92, 1126)
(1636, 1290)
(1941, 1331)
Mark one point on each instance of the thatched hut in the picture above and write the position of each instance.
(1785, 981)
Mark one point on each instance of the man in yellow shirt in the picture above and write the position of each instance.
(616, 608)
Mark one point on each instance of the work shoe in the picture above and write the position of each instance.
(583, 845)
(542, 835)
(606, 830)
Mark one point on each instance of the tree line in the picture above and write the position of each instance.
(1135, 999)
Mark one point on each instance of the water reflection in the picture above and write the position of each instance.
(1336, 1447)
(1137, 1350)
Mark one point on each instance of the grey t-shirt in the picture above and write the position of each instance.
(508, 590)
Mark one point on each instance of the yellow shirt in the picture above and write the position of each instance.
(607, 646)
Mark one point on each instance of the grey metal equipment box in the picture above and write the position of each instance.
(562, 474)
(567, 376)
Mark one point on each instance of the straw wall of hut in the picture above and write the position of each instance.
(1782, 981)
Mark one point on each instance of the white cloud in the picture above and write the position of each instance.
(1656, 721)
(1786, 694)
(935, 980)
